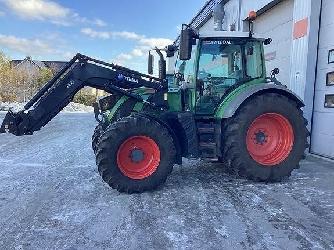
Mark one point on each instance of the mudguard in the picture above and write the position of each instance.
(237, 97)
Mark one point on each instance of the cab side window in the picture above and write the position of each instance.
(254, 67)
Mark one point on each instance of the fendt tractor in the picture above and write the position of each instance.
(218, 105)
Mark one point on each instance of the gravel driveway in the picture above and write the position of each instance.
(53, 198)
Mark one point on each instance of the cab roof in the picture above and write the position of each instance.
(224, 34)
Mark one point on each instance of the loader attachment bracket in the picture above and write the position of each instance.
(15, 123)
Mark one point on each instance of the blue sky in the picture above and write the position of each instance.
(111, 30)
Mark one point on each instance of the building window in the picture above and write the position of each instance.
(330, 79)
(329, 101)
(331, 56)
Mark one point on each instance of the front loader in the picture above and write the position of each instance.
(217, 105)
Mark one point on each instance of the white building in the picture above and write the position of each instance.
(303, 49)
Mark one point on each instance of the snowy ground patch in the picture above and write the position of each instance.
(72, 107)
(52, 197)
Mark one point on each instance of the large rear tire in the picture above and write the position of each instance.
(135, 154)
(266, 139)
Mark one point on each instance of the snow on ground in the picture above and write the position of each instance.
(71, 107)
(53, 198)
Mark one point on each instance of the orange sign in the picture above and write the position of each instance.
(300, 29)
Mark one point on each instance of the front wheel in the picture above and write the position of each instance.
(135, 154)
(266, 139)
(96, 137)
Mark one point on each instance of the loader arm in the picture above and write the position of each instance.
(80, 72)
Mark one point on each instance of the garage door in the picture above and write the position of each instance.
(277, 24)
(323, 118)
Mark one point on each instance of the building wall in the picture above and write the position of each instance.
(247, 6)
(277, 24)
(28, 68)
(323, 120)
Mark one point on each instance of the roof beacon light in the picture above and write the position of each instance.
(252, 15)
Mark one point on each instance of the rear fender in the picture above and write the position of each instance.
(235, 99)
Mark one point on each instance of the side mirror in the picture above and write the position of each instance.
(267, 41)
(185, 43)
(275, 71)
(150, 63)
(170, 50)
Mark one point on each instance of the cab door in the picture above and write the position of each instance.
(220, 66)
(185, 81)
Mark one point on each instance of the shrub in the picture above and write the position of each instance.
(85, 98)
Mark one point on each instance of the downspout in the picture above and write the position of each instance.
(239, 17)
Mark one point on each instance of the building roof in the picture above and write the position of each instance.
(204, 14)
(55, 66)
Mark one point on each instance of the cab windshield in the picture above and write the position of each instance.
(220, 61)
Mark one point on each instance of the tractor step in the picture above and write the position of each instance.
(206, 130)
(207, 141)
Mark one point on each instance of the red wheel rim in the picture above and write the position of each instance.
(138, 157)
(270, 139)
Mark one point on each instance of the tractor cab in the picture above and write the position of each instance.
(210, 65)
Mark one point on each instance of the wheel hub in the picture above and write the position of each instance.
(137, 155)
(260, 137)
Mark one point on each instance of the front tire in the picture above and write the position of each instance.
(266, 138)
(96, 137)
(135, 154)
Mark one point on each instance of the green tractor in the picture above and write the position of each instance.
(217, 105)
(221, 107)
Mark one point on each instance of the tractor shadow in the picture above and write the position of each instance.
(195, 174)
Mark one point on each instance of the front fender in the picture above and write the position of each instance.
(236, 98)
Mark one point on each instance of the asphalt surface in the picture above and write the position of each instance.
(53, 198)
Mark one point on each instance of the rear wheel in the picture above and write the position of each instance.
(135, 154)
(266, 139)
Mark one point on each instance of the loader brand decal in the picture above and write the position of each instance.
(70, 84)
(122, 77)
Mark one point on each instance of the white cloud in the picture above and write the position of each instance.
(96, 34)
(32, 47)
(99, 22)
(155, 42)
(137, 52)
(142, 47)
(126, 35)
(47, 10)
(124, 57)
(37, 9)
(2, 13)
(143, 43)
(135, 57)
(108, 34)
